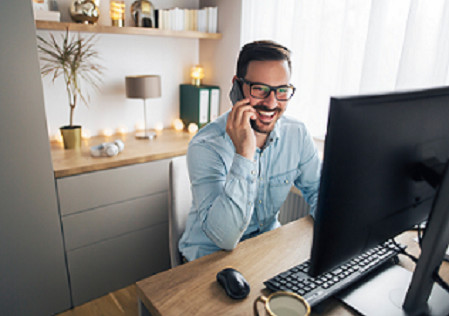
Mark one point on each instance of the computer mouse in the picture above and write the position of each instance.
(234, 283)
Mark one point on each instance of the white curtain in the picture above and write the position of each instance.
(347, 47)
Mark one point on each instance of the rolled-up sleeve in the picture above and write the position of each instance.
(223, 198)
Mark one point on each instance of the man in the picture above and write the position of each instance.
(242, 165)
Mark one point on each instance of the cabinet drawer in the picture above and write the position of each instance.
(105, 187)
(116, 263)
(85, 228)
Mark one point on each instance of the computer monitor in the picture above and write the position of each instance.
(372, 187)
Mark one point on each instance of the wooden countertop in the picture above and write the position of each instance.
(168, 143)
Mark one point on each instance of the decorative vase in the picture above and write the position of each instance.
(142, 12)
(71, 136)
(84, 11)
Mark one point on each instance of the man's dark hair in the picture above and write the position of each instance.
(261, 51)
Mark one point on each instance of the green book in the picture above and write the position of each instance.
(199, 104)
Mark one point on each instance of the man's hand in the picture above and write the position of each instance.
(239, 128)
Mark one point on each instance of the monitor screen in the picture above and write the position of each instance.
(369, 189)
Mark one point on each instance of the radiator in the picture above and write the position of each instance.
(294, 207)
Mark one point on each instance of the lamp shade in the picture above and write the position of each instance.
(143, 87)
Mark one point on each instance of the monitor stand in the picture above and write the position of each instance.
(383, 294)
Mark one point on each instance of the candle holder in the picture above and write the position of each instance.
(117, 12)
(197, 74)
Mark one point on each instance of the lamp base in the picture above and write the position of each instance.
(145, 135)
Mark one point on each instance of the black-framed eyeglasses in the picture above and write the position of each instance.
(261, 91)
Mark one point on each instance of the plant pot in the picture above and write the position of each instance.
(71, 136)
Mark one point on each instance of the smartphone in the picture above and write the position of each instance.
(236, 93)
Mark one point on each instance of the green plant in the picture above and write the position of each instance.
(75, 59)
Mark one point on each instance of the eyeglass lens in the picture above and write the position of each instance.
(261, 91)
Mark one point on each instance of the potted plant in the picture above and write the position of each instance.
(74, 59)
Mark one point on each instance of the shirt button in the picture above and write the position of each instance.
(261, 178)
(260, 225)
(250, 203)
(253, 172)
(260, 201)
(286, 181)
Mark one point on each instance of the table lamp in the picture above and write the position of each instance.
(144, 87)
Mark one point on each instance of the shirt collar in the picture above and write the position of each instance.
(276, 132)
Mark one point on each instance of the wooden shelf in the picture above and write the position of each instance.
(61, 26)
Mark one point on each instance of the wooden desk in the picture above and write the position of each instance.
(191, 289)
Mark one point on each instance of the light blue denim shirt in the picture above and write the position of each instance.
(235, 198)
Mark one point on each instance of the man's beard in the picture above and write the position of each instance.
(258, 129)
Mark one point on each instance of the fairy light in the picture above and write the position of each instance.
(192, 128)
(178, 125)
(85, 134)
(107, 132)
(159, 127)
(139, 126)
(58, 138)
(122, 130)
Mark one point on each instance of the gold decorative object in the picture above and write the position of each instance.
(84, 11)
(117, 12)
(142, 12)
(197, 74)
(71, 136)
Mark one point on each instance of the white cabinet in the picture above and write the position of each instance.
(115, 227)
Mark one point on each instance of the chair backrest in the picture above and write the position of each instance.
(179, 201)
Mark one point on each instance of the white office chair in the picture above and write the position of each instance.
(179, 201)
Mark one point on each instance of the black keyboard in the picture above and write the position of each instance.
(317, 289)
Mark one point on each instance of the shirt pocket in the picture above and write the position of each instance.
(279, 187)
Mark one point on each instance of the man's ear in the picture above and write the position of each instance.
(234, 79)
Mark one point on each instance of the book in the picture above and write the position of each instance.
(176, 19)
(214, 103)
(40, 5)
(47, 15)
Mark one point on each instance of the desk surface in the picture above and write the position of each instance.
(191, 289)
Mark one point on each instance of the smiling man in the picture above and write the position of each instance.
(242, 165)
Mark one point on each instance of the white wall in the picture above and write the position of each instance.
(219, 58)
(123, 55)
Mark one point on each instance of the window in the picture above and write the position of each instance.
(344, 47)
